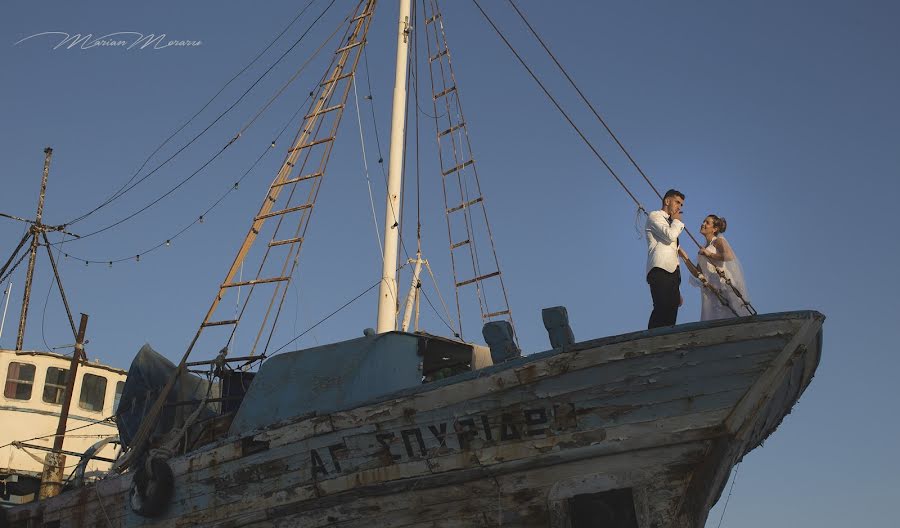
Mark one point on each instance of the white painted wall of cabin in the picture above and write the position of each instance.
(19, 421)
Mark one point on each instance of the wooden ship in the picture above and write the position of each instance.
(402, 428)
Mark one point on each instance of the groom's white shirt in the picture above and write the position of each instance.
(662, 241)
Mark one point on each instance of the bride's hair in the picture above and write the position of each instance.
(719, 223)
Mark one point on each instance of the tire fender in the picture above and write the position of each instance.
(152, 489)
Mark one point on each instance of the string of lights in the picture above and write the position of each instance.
(228, 144)
(202, 217)
(125, 187)
(131, 184)
(167, 242)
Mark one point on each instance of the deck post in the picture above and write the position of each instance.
(55, 461)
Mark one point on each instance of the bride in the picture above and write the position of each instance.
(718, 256)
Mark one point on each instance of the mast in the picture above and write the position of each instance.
(387, 292)
(35, 230)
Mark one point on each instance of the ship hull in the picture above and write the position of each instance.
(638, 430)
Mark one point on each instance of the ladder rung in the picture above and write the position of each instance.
(445, 92)
(254, 282)
(349, 46)
(431, 19)
(465, 204)
(459, 244)
(324, 111)
(283, 211)
(438, 55)
(360, 17)
(454, 128)
(495, 314)
(476, 279)
(285, 241)
(336, 79)
(220, 323)
(298, 179)
(313, 144)
(458, 167)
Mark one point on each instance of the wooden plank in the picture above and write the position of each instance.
(552, 366)
(257, 495)
(239, 511)
(764, 385)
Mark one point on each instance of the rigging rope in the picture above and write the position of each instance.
(293, 78)
(25, 236)
(585, 99)
(54, 435)
(329, 316)
(235, 138)
(231, 189)
(117, 194)
(371, 99)
(558, 107)
(16, 265)
(47, 301)
(362, 143)
(719, 271)
(414, 71)
(234, 187)
(441, 298)
(730, 490)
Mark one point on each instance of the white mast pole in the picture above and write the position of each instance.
(387, 293)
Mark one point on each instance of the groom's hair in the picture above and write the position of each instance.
(670, 193)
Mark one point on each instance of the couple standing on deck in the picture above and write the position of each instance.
(714, 261)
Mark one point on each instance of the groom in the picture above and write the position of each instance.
(663, 273)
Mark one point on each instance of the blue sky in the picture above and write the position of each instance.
(781, 116)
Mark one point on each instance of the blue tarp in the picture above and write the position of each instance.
(148, 374)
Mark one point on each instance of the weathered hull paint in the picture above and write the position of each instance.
(666, 413)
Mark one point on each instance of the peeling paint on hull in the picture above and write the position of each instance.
(663, 413)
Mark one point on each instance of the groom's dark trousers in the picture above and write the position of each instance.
(666, 296)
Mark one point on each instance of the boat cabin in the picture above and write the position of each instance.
(33, 389)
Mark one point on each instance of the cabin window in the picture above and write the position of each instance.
(55, 385)
(93, 392)
(120, 385)
(19, 380)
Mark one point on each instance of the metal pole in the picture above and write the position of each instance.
(387, 292)
(77, 357)
(26, 297)
(7, 293)
(418, 301)
(51, 479)
(48, 153)
(62, 292)
(35, 230)
(413, 290)
(15, 253)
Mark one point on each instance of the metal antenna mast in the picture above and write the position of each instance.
(36, 232)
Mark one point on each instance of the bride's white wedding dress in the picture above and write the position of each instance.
(712, 307)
